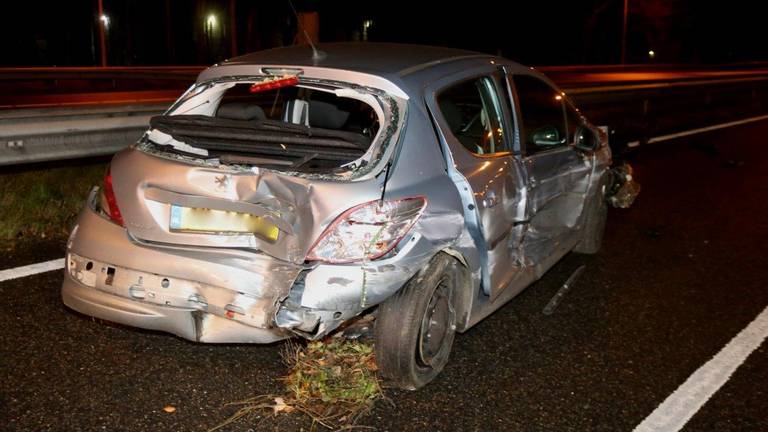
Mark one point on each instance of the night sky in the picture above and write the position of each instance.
(543, 32)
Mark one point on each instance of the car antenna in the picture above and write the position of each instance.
(316, 54)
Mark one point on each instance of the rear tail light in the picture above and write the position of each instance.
(367, 231)
(109, 202)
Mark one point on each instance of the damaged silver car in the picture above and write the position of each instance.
(289, 191)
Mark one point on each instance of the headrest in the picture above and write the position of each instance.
(326, 115)
(452, 114)
(240, 111)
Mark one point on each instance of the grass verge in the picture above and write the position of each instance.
(44, 202)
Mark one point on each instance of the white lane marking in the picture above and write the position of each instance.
(706, 129)
(681, 405)
(32, 269)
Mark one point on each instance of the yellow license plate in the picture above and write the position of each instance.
(221, 221)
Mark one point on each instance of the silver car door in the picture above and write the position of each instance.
(476, 127)
(558, 173)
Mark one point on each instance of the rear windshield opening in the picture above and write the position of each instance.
(293, 127)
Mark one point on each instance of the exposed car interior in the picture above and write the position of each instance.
(292, 127)
(473, 114)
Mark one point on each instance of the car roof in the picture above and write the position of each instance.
(375, 58)
(398, 68)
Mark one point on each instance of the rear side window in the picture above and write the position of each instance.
(543, 114)
(472, 111)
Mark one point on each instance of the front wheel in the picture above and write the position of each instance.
(415, 327)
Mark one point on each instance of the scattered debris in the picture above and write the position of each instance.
(169, 409)
(281, 406)
(333, 381)
(360, 329)
(624, 189)
(555, 300)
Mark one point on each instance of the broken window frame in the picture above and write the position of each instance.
(390, 109)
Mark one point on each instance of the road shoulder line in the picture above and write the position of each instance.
(684, 402)
(32, 269)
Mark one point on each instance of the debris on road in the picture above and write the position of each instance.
(550, 307)
(169, 409)
(624, 189)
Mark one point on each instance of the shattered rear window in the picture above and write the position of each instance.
(291, 125)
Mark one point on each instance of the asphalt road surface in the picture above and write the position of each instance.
(680, 274)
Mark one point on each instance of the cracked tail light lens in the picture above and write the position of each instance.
(109, 202)
(367, 231)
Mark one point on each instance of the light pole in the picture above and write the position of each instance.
(102, 31)
(623, 32)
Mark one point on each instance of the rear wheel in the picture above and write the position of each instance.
(415, 327)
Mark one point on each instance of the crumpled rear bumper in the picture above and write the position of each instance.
(221, 295)
(184, 322)
(200, 294)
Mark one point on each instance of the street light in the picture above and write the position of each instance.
(210, 22)
(103, 23)
(624, 33)
(366, 25)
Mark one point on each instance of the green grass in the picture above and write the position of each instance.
(44, 202)
(334, 382)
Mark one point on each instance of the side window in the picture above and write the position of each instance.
(473, 113)
(543, 114)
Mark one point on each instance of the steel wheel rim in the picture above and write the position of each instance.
(437, 324)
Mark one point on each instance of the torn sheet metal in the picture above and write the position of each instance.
(325, 296)
(558, 297)
(224, 293)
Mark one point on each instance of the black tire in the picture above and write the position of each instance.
(596, 213)
(415, 327)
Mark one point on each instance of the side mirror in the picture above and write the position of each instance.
(546, 136)
(586, 139)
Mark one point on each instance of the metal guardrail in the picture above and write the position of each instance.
(633, 99)
(186, 73)
(38, 135)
